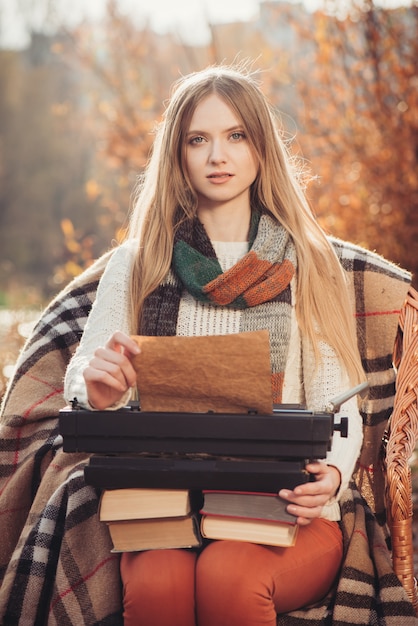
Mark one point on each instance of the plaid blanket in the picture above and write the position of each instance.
(55, 561)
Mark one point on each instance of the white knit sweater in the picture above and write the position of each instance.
(303, 383)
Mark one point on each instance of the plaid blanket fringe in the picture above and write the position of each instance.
(56, 566)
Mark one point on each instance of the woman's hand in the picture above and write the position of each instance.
(307, 500)
(110, 373)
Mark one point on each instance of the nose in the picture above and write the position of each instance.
(217, 153)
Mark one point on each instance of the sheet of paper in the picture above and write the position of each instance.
(222, 373)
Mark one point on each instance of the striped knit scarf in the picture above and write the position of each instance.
(259, 284)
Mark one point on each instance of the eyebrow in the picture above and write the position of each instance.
(227, 130)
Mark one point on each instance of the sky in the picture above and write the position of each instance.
(188, 18)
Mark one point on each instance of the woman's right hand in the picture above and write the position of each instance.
(110, 373)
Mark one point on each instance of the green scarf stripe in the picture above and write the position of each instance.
(194, 269)
(254, 223)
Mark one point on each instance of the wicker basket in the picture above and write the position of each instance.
(402, 439)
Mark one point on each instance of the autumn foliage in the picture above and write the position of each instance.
(360, 128)
(346, 87)
(348, 83)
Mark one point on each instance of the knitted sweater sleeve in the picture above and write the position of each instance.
(323, 383)
(109, 313)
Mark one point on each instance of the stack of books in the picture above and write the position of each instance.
(152, 519)
(149, 519)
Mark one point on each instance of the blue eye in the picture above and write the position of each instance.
(238, 135)
(196, 140)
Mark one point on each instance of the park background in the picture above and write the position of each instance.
(79, 102)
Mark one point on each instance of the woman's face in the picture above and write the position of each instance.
(219, 161)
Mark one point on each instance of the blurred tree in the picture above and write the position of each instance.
(360, 125)
(45, 160)
(131, 70)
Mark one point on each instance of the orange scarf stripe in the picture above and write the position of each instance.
(228, 286)
(277, 387)
(280, 276)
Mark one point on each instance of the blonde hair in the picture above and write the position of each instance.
(165, 197)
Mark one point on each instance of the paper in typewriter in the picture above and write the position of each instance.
(221, 373)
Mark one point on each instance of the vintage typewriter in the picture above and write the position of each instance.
(133, 448)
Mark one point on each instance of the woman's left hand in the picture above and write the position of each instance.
(306, 501)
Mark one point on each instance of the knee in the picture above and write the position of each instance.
(148, 573)
(158, 587)
(232, 569)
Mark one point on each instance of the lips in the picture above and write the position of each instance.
(219, 176)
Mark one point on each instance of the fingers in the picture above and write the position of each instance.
(120, 342)
(307, 500)
(112, 369)
(304, 509)
(304, 515)
(111, 365)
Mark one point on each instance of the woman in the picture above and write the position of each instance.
(222, 240)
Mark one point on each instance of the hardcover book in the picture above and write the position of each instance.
(265, 532)
(154, 534)
(135, 504)
(268, 506)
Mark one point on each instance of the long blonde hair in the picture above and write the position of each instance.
(323, 306)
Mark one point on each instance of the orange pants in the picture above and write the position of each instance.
(230, 583)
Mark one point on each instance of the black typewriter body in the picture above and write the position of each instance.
(248, 451)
